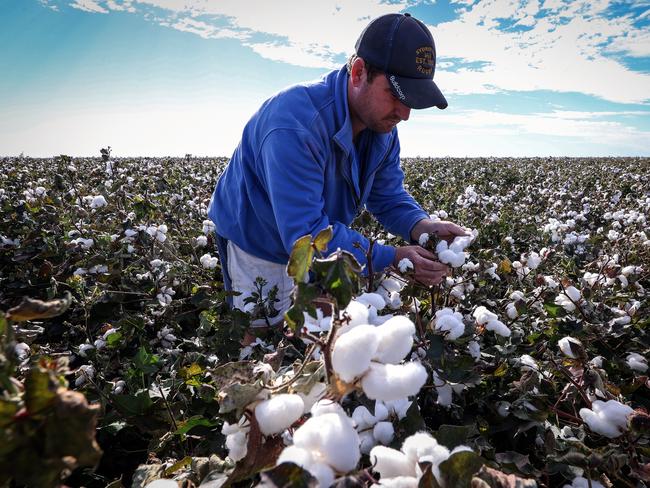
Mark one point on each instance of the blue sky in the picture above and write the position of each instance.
(170, 77)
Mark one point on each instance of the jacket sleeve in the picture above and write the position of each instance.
(292, 165)
(393, 206)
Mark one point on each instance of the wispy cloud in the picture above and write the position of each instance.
(504, 45)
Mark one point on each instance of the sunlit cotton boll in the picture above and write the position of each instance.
(404, 265)
(395, 339)
(393, 381)
(162, 483)
(570, 346)
(384, 432)
(568, 299)
(637, 362)
(498, 327)
(606, 418)
(483, 315)
(390, 463)
(278, 413)
(353, 352)
(452, 322)
(423, 239)
(527, 363)
(332, 439)
(446, 255)
(209, 262)
(201, 241)
(98, 202)
(326, 406)
(208, 227)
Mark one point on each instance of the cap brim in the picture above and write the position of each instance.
(417, 92)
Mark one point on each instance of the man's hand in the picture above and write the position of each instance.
(443, 229)
(427, 270)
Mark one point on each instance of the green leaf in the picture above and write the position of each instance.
(133, 405)
(192, 422)
(302, 303)
(300, 258)
(323, 238)
(459, 469)
(288, 474)
(339, 275)
(145, 362)
(40, 390)
(553, 310)
(452, 436)
(114, 339)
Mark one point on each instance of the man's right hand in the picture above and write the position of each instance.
(427, 270)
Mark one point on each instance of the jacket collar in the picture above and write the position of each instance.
(343, 137)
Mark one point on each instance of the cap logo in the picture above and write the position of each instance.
(424, 60)
(398, 88)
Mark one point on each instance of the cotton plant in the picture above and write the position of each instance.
(636, 362)
(609, 419)
(404, 467)
(371, 357)
(490, 321)
(569, 299)
(208, 261)
(449, 321)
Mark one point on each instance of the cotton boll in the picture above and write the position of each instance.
(597, 362)
(381, 411)
(323, 473)
(483, 315)
(22, 351)
(580, 482)
(444, 390)
(404, 265)
(297, 455)
(422, 446)
(390, 463)
(278, 413)
(391, 284)
(358, 314)
(325, 406)
(384, 432)
(395, 339)
(162, 483)
(316, 393)
(606, 418)
(393, 381)
(237, 445)
(366, 441)
(362, 418)
(450, 321)
(568, 345)
(423, 239)
(498, 327)
(333, 438)
(637, 362)
(398, 407)
(474, 349)
(511, 311)
(353, 352)
(527, 363)
(399, 482)
(372, 299)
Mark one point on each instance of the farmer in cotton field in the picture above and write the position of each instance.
(316, 153)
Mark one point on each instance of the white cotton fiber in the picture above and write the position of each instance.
(444, 390)
(637, 362)
(331, 438)
(566, 348)
(384, 432)
(324, 406)
(362, 418)
(323, 473)
(498, 327)
(373, 299)
(353, 352)
(395, 339)
(393, 381)
(606, 418)
(381, 411)
(297, 455)
(237, 445)
(366, 441)
(390, 463)
(447, 320)
(162, 483)
(399, 482)
(421, 444)
(483, 315)
(357, 312)
(398, 407)
(278, 413)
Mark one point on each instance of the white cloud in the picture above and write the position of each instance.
(483, 132)
(89, 6)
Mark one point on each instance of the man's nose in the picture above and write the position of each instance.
(403, 111)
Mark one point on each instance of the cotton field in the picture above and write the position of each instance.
(528, 366)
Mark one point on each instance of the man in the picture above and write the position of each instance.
(314, 154)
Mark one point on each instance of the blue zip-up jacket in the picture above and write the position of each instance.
(297, 170)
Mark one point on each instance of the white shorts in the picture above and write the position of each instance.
(244, 268)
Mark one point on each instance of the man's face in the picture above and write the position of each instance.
(376, 106)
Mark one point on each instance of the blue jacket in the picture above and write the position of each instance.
(297, 170)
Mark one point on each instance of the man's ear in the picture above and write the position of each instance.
(358, 73)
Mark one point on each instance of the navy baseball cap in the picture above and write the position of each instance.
(402, 47)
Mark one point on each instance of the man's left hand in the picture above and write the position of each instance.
(443, 229)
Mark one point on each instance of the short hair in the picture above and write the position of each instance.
(372, 71)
